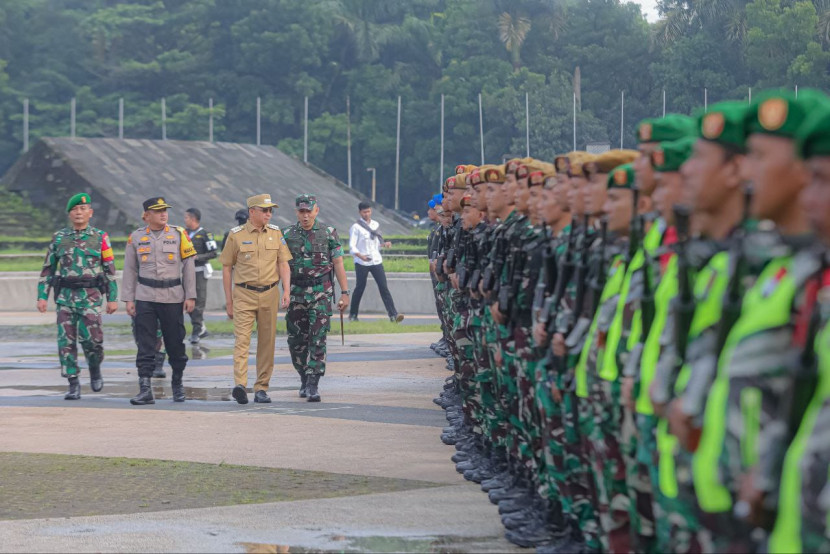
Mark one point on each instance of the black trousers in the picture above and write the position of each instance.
(148, 317)
(362, 273)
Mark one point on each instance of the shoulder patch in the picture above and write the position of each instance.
(331, 229)
(274, 227)
(236, 229)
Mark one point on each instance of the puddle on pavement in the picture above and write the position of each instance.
(448, 544)
(122, 390)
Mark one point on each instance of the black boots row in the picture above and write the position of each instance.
(530, 520)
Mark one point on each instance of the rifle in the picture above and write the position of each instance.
(734, 290)
(492, 273)
(464, 271)
(563, 277)
(475, 277)
(647, 307)
(634, 235)
(439, 255)
(452, 252)
(686, 307)
(602, 272)
(544, 287)
(582, 272)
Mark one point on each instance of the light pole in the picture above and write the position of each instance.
(374, 181)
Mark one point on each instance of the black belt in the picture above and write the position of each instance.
(311, 281)
(80, 284)
(257, 289)
(159, 283)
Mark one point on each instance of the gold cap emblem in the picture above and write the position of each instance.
(713, 125)
(772, 114)
(620, 177)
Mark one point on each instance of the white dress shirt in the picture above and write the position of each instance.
(360, 240)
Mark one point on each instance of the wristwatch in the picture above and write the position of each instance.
(346, 292)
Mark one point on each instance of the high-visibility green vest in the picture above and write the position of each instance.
(666, 291)
(616, 274)
(765, 306)
(609, 369)
(786, 537)
(709, 289)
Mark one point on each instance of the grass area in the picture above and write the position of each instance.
(56, 485)
(391, 263)
(224, 327)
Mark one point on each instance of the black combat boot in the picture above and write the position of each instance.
(178, 387)
(158, 370)
(74, 392)
(96, 381)
(145, 393)
(303, 385)
(311, 388)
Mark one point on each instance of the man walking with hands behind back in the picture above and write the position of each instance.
(316, 252)
(365, 242)
(159, 286)
(254, 259)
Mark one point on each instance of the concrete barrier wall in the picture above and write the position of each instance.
(412, 293)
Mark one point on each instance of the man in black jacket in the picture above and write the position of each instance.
(206, 250)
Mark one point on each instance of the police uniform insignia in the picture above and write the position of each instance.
(145, 239)
(160, 200)
(144, 258)
(713, 125)
(169, 237)
(170, 256)
(772, 114)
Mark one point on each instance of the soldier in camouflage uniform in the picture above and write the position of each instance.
(80, 268)
(803, 509)
(316, 253)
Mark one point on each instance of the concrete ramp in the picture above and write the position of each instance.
(214, 177)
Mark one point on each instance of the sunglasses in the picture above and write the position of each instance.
(265, 210)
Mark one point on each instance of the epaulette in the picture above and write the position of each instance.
(237, 229)
(274, 227)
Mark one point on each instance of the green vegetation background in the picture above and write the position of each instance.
(188, 51)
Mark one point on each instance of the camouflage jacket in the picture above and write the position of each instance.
(75, 255)
(313, 253)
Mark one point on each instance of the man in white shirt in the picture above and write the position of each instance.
(365, 242)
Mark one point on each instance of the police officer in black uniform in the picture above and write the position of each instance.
(206, 250)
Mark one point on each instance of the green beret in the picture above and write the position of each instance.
(664, 129)
(621, 177)
(80, 198)
(813, 138)
(780, 113)
(724, 124)
(669, 156)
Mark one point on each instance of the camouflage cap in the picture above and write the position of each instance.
(621, 177)
(80, 198)
(305, 202)
(664, 129)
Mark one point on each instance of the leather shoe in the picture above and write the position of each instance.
(262, 397)
(240, 394)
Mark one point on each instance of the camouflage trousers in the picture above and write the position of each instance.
(74, 325)
(639, 444)
(485, 375)
(528, 420)
(307, 324)
(607, 463)
(675, 506)
(465, 368)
